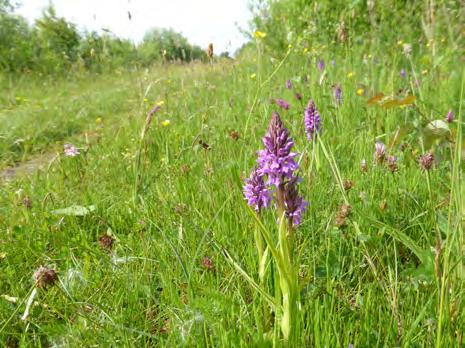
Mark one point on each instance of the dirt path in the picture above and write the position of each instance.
(41, 162)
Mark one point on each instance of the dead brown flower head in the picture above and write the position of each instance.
(106, 241)
(44, 277)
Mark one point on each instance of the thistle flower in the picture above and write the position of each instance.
(293, 203)
(312, 120)
(426, 161)
(338, 94)
(71, 150)
(449, 116)
(321, 64)
(282, 103)
(276, 160)
(380, 152)
(288, 84)
(256, 192)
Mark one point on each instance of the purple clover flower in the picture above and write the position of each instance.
(71, 150)
(427, 161)
(403, 72)
(312, 120)
(293, 203)
(450, 116)
(392, 163)
(288, 84)
(276, 160)
(380, 152)
(338, 94)
(321, 64)
(282, 103)
(256, 192)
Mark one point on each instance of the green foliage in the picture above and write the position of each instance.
(57, 42)
(310, 23)
(54, 46)
(168, 45)
(16, 50)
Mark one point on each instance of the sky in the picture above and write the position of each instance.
(201, 21)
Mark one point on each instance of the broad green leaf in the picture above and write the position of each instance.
(75, 210)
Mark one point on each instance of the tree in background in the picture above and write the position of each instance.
(57, 42)
(169, 45)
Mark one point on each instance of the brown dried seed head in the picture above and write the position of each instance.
(348, 184)
(45, 276)
(383, 205)
(210, 50)
(342, 214)
(27, 203)
(340, 221)
(106, 241)
(345, 210)
(180, 208)
(185, 169)
(234, 135)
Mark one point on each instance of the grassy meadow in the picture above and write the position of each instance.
(150, 235)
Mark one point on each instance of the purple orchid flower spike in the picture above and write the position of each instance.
(282, 103)
(256, 192)
(276, 160)
(293, 203)
(312, 120)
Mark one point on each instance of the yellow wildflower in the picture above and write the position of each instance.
(253, 76)
(98, 120)
(350, 74)
(259, 34)
(360, 91)
(165, 123)
(160, 103)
